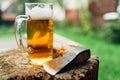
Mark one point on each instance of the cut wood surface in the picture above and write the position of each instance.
(14, 65)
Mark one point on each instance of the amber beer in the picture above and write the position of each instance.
(39, 20)
(40, 40)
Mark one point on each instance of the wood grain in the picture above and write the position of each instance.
(14, 65)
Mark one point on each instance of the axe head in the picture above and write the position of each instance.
(68, 60)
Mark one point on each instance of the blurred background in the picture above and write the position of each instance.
(92, 23)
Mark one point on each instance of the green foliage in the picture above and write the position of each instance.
(61, 3)
(85, 20)
(84, 26)
(113, 31)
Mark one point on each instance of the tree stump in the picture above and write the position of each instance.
(14, 65)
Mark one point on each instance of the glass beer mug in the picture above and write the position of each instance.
(39, 24)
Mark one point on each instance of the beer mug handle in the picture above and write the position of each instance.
(18, 21)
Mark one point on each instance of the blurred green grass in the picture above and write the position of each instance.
(6, 31)
(107, 52)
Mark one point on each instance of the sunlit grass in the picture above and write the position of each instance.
(107, 52)
(6, 31)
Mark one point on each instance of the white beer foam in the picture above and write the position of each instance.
(39, 13)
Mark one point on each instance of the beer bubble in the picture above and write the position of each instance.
(30, 50)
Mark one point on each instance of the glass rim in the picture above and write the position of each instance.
(47, 3)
